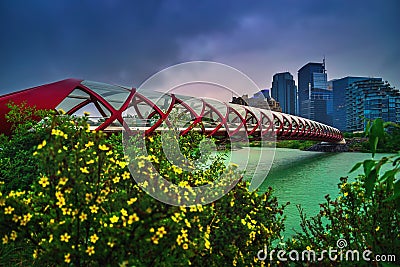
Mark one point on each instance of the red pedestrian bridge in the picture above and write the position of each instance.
(115, 108)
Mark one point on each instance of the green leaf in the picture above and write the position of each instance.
(355, 167)
(395, 161)
(377, 128)
(370, 182)
(397, 187)
(367, 128)
(396, 192)
(375, 132)
(368, 165)
(393, 197)
(388, 174)
(380, 163)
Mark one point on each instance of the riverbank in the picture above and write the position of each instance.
(353, 144)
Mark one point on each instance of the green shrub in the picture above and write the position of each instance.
(18, 167)
(295, 144)
(366, 213)
(84, 208)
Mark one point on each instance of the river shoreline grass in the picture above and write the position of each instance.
(354, 144)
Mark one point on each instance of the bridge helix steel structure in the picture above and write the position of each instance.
(116, 108)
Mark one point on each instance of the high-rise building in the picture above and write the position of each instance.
(263, 93)
(370, 99)
(284, 90)
(260, 99)
(339, 100)
(314, 96)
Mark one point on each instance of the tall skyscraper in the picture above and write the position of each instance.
(339, 100)
(314, 96)
(371, 99)
(284, 91)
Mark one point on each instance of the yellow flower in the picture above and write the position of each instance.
(377, 228)
(94, 238)
(161, 231)
(13, 235)
(8, 210)
(187, 223)
(5, 239)
(65, 237)
(35, 253)
(185, 246)
(103, 147)
(179, 240)
(177, 170)
(193, 208)
(122, 164)
(207, 244)
(308, 248)
(63, 181)
(59, 195)
(141, 164)
(61, 202)
(84, 170)
(89, 144)
(126, 175)
(67, 258)
(116, 180)
(88, 197)
(44, 181)
(15, 218)
(132, 200)
(26, 218)
(346, 194)
(94, 209)
(154, 239)
(83, 216)
(133, 218)
(124, 212)
(90, 250)
(114, 219)
(40, 146)
(184, 233)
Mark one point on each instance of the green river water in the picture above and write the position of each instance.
(303, 177)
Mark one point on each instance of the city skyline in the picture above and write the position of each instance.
(127, 42)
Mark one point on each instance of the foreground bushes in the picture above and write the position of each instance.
(72, 201)
(84, 208)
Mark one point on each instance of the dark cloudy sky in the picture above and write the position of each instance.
(125, 42)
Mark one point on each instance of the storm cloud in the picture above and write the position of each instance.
(125, 42)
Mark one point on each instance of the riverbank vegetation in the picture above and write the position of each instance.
(365, 215)
(68, 197)
(388, 143)
(295, 144)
